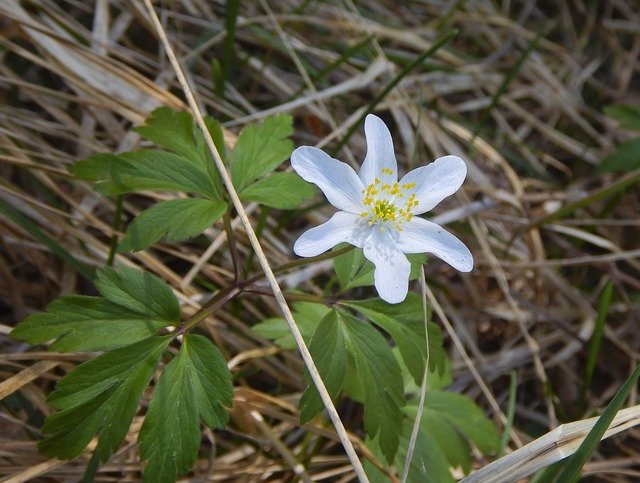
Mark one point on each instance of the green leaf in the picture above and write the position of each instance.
(145, 169)
(625, 158)
(177, 219)
(381, 382)
(429, 464)
(284, 191)
(177, 131)
(140, 291)
(81, 323)
(260, 149)
(100, 396)
(463, 414)
(134, 306)
(627, 116)
(328, 349)
(195, 385)
(404, 323)
(348, 268)
(353, 270)
(306, 314)
(448, 424)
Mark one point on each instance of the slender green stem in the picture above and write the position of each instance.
(233, 248)
(117, 223)
(425, 378)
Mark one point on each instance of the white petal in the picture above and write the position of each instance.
(392, 271)
(379, 152)
(422, 236)
(337, 180)
(436, 181)
(341, 227)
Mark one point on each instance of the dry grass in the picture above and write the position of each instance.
(524, 112)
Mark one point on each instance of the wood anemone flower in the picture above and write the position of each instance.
(378, 212)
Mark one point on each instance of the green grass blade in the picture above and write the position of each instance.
(39, 235)
(511, 410)
(571, 471)
(596, 339)
(621, 184)
(231, 18)
(408, 68)
(508, 79)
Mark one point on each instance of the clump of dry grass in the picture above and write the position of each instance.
(518, 93)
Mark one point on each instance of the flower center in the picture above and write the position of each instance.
(388, 202)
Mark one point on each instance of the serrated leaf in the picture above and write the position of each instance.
(381, 381)
(260, 149)
(445, 436)
(177, 220)
(145, 169)
(328, 349)
(100, 396)
(177, 131)
(81, 323)
(195, 385)
(626, 158)
(429, 464)
(404, 323)
(211, 380)
(284, 191)
(627, 116)
(134, 306)
(463, 414)
(140, 291)
(307, 316)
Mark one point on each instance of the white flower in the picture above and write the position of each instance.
(377, 211)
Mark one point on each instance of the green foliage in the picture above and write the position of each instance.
(284, 191)
(449, 424)
(306, 314)
(145, 169)
(140, 291)
(354, 358)
(177, 219)
(573, 467)
(464, 416)
(185, 164)
(404, 323)
(100, 396)
(178, 132)
(367, 353)
(625, 158)
(329, 350)
(428, 465)
(354, 270)
(627, 116)
(260, 149)
(133, 306)
(196, 385)
(382, 382)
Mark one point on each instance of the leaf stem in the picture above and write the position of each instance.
(117, 222)
(230, 292)
(233, 248)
